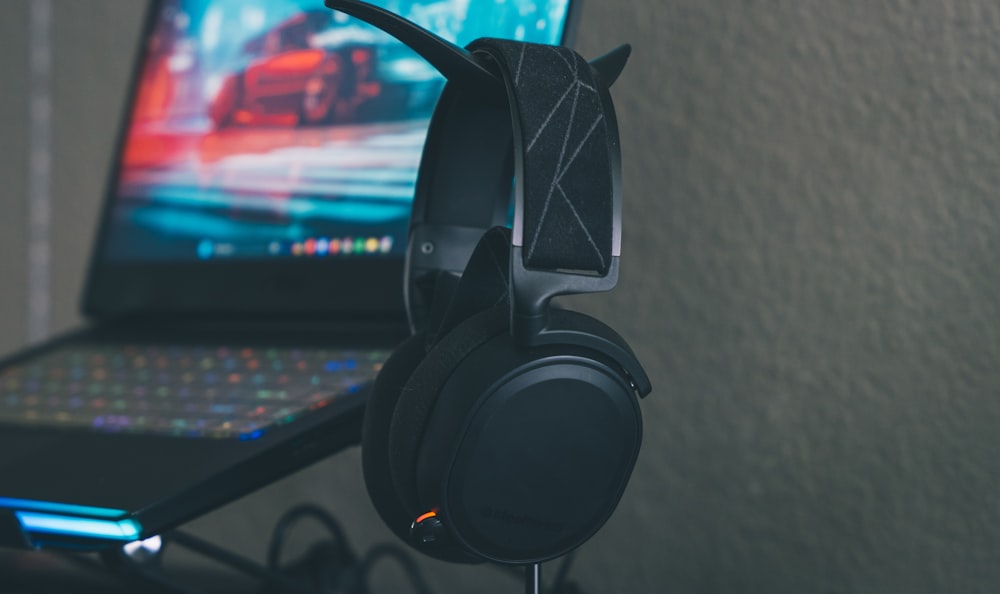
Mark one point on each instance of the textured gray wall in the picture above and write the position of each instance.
(809, 276)
(13, 181)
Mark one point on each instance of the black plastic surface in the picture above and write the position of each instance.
(164, 481)
(493, 442)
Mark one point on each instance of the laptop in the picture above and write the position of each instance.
(246, 281)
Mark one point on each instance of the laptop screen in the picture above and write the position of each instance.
(279, 129)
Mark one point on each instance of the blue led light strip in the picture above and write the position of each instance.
(125, 530)
(61, 508)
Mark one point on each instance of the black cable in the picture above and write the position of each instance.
(402, 557)
(293, 516)
(237, 562)
(560, 581)
(325, 560)
(330, 566)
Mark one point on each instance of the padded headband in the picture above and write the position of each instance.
(537, 119)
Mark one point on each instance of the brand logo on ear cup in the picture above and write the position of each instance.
(525, 520)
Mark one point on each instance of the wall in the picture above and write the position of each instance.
(809, 276)
(13, 163)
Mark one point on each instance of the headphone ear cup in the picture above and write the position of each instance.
(387, 466)
(375, 434)
(418, 398)
(555, 429)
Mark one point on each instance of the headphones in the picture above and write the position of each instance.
(504, 429)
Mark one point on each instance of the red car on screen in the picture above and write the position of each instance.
(301, 72)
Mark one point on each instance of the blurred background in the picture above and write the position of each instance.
(810, 276)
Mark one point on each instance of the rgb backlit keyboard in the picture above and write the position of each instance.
(220, 392)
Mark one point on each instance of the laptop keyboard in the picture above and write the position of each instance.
(219, 392)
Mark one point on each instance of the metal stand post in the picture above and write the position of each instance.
(533, 578)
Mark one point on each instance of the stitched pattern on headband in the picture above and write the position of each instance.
(568, 201)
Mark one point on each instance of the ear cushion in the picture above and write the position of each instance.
(419, 396)
(567, 319)
(484, 283)
(375, 434)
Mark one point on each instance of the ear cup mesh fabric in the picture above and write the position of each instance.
(375, 434)
(419, 396)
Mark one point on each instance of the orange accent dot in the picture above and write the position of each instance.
(430, 514)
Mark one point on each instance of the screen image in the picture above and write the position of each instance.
(282, 129)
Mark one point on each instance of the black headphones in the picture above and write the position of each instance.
(503, 429)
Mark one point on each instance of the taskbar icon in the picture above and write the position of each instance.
(336, 246)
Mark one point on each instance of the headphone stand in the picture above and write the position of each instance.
(533, 578)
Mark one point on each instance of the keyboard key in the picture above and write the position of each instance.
(222, 392)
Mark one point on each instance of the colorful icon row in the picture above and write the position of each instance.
(335, 246)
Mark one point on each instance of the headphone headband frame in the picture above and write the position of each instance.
(477, 139)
